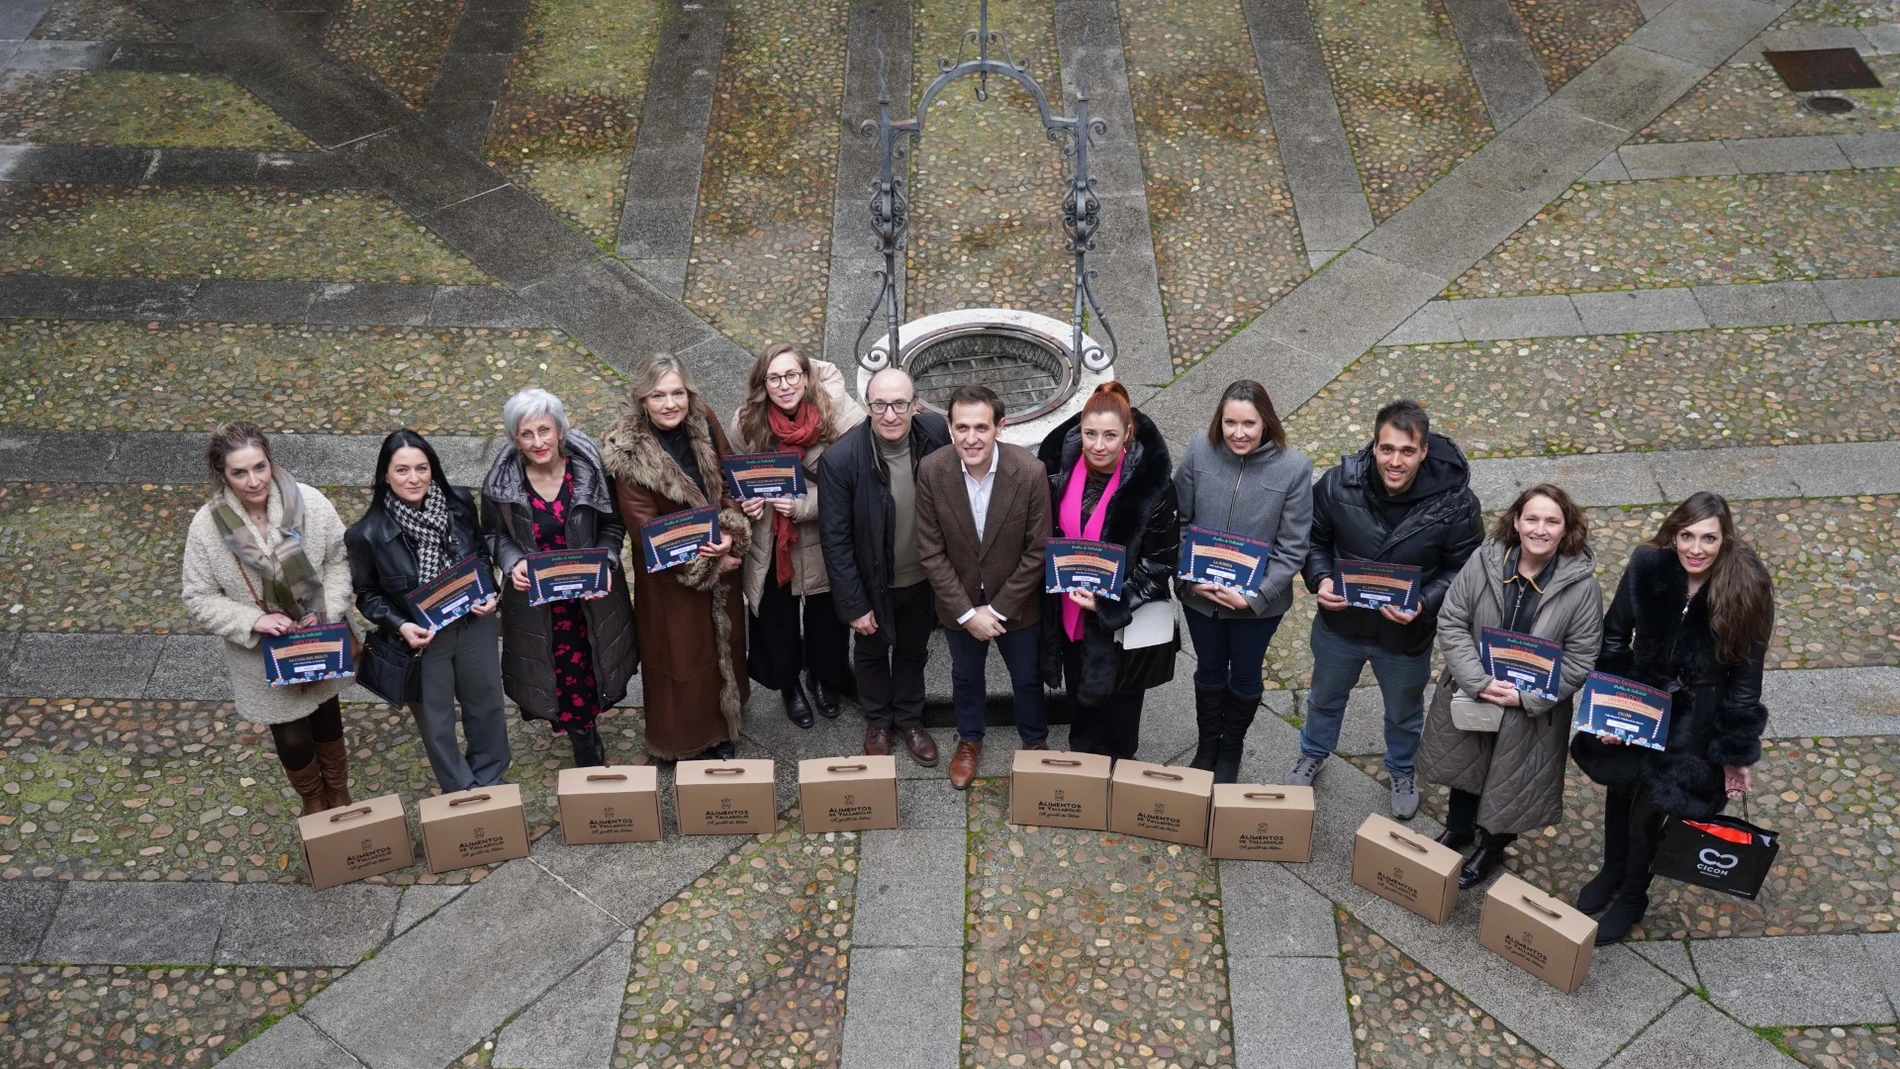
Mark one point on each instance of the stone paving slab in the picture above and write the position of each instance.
(573, 1025)
(1290, 1013)
(855, 260)
(109, 665)
(292, 1043)
(18, 17)
(1794, 980)
(435, 991)
(1858, 299)
(146, 923)
(86, 164)
(904, 1007)
(656, 220)
(420, 902)
(1873, 149)
(1508, 74)
(1671, 956)
(173, 458)
(1883, 950)
(27, 908)
(910, 889)
(1764, 305)
(468, 84)
(1266, 912)
(156, 300)
(627, 881)
(291, 925)
(1695, 1033)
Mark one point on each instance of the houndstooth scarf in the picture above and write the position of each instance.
(428, 530)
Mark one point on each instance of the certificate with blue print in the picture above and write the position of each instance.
(1084, 564)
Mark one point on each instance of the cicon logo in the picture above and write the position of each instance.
(1715, 858)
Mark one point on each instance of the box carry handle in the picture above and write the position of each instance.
(1157, 774)
(598, 777)
(1541, 908)
(846, 768)
(1407, 842)
(470, 800)
(725, 771)
(359, 811)
(1273, 795)
(1061, 762)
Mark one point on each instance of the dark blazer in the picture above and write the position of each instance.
(1005, 568)
(1656, 634)
(857, 518)
(383, 566)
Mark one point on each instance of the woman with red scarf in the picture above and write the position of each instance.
(799, 404)
(1110, 480)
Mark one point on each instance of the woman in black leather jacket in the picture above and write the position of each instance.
(1692, 616)
(1110, 459)
(417, 525)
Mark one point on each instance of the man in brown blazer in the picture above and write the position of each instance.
(982, 532)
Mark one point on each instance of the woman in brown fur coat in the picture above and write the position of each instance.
(664, 455)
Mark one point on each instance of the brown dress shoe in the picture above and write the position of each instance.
(920, 744)
(963, 762)
(877, 742)
(1035, 746)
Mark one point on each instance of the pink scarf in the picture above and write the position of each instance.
(1070, 516)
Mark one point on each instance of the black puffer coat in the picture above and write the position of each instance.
(1656, 634)
(527, 635)
(1142, 518)
(1438, 534)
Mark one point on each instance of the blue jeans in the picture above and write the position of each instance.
(1337, 665)
(1228, 653)
(969, 686)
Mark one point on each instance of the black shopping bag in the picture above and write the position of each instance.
(1721, 853)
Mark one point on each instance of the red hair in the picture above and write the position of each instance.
(1111, 397)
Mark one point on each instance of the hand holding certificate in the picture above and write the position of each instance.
(1531, 664)
(764, 475)
(564, 574)
(453, 594)
(309, 654)
(1081, 564)
(1373, 584)
(1222, 558)
(1622, 709)
(674, 539)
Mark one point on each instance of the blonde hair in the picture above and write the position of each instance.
(647, 374)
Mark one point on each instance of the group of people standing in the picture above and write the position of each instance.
(915, 522)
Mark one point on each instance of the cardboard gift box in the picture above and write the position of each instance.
(847, 793)
(356, 842)
(725, 797)
(1059, 790)
(481, 826)
(1537, 933)
(1402, 866)
(1160, 802)
(1260, 822)
(614, 804)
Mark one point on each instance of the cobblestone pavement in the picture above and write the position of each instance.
(1845, 1048)
(1748, 99)
(138, 108)
(1569, 35)
(400, 42)
(99, 20)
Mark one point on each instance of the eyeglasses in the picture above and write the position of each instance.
(901, 408)
(790, 378)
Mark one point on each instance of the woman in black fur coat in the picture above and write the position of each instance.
(1692, 616)
(1110, 479)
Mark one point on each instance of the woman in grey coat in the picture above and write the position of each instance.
(563, 662)
(1535, 575)
(1242, 479)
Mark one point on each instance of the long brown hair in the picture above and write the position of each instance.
(1248, 392)
(1576, 528)
(1741, 594)
(754, 428)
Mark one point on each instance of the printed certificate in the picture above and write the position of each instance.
(1222, 558)
(563, 574)
(1374, 584)
(308, 655)
(1531, 664)
(765, 475)
(675, 538)
(1624, 708)
(1083, 564)
(449, 596)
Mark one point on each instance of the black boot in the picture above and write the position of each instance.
(824, 697)
(1240, 711)
(1484, 861)
(1602, 887)
(1209, 707)
(1461, 820)
(1632, 898)
(797, 709)
(589, 751)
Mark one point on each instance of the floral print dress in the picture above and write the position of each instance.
(577, 694)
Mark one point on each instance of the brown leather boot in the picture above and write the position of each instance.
(333, 758)
(963, 762)
(308, 781)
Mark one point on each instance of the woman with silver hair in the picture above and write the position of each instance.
(566, 661)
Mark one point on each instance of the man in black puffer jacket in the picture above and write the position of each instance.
(1404, 499)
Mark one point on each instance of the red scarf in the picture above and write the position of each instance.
(797, 433)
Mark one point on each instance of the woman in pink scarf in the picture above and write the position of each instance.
(1110, 480)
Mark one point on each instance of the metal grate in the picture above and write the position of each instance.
(1030, 378)
(1829, 105)
(1820, 70)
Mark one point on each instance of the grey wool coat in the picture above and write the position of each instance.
(1519, 770)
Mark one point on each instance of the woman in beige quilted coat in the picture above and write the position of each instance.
(1535, 575)
(263, 557)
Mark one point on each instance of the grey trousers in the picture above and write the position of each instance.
(463, 665)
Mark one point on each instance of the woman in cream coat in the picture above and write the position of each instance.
(265, 556)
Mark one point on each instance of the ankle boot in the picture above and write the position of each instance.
(1209, 708)
(589, 751)
(824, 697)
(308, 781)
(1632, 901)
(1602, 887)
(797, 709)
(333, 758)
(1240, 710)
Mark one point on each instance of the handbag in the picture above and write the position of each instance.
(1470, 714)
(389, 670)
(1146, 661)
(1721, 853)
